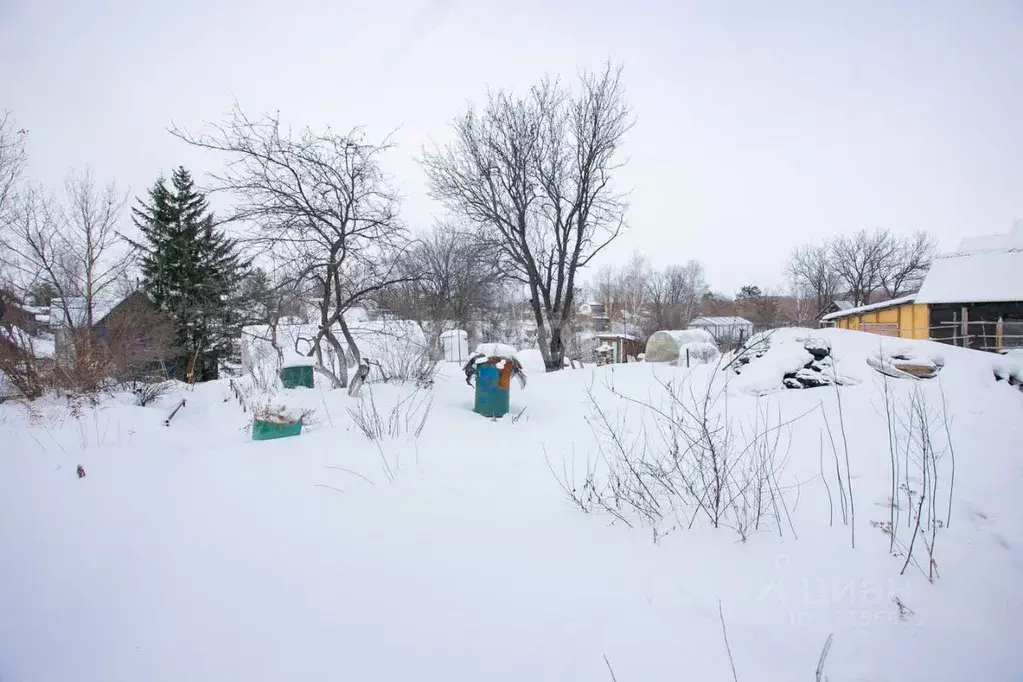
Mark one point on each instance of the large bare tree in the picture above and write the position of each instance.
(860, 265)
(535, 171)
(89, 219)
(907, 264)
(859, 259)
(321, 202)
(71, 244)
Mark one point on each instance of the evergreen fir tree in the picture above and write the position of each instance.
(190, 270)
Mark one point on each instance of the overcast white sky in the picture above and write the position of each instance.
(760, 125)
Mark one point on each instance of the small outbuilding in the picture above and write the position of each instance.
(900, 317)
(623, 346)
(455, 345)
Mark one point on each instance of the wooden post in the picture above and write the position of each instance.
(966, 328)
(687, 357)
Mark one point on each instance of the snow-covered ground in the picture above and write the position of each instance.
(191, 552)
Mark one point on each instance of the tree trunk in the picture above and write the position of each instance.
(349, 340)
(541, 328)
(556, 360)
(341, 379)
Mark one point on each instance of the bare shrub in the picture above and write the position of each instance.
(919, 437)
(20, 364)
(699, 464)
(148, 392)
(408, 363)
(405, 420)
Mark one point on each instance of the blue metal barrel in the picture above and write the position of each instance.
(491, 398)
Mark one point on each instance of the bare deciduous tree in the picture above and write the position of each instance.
(12, 158)
(535, 172)
(452, 281)
(89, 219)
(907, 264)
(318, 200)
(813, 275)
(674, 295)
(32, 249)
(860, 265)
(859, 260)
(72, 246)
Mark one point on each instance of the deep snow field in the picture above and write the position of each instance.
(191, 552)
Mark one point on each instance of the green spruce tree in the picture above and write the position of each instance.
(191, 271)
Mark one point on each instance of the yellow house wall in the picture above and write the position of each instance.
(913, 320)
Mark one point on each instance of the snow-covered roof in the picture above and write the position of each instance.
(979, 276)
(844, 305)
(727, 321)
(102, 305)
(882, 305)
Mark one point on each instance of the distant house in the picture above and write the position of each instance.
(972, 297)
(593, 316)
(831, 308)
(724, 329)
(138, 338)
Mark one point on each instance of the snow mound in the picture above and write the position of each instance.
(787, 358)
(293, 359)
(907, 363)
(807, 358)
(531, 360)
(1009, 368)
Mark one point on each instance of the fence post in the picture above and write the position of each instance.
(687, 357)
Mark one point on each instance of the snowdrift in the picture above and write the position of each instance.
(444, 546)
(769, 361)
